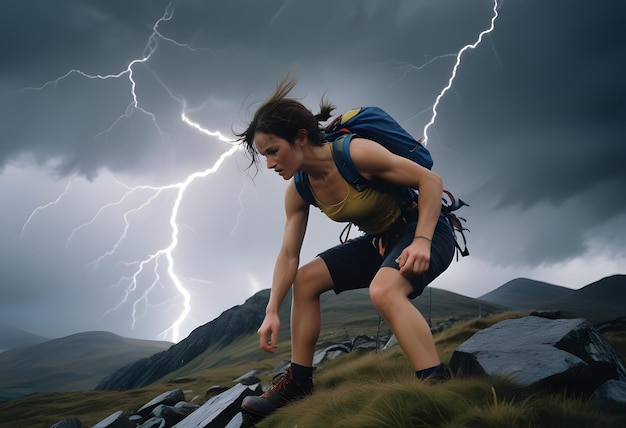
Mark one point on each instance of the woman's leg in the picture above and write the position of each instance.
(389, 291)
(311, 281)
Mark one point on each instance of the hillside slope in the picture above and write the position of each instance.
(343, 316)
(13, 337)
(222, 331)
(72, 363)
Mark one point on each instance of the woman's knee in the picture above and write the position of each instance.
(312, 279)
(380, 297)
(387, 289)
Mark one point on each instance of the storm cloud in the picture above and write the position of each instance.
(93, 94)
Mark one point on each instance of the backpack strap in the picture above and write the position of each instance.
(345, 165)
(343, 160)
(301, 180)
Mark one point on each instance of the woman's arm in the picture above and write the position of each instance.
(374, 160)
(287, 262)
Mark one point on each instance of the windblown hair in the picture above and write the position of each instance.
(284, 117)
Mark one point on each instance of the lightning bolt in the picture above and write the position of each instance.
(153, 260)
(459, 55)
(43, 207)
(179, 188)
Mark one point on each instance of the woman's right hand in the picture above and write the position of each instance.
(268, 332)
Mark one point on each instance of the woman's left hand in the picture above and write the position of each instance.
(415, 259)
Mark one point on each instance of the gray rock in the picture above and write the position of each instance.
(443, 325)
(236, 421)
(249, 378)
(364, 342)
(611, 393)
(136, 419)
(168, 398)
(392, 342)
(564, 354)
(214, 390)
(170, 414)
(186, 407)
(68, 423)
(116, 420)
(154, 423)
(219, 410)
(330, 353)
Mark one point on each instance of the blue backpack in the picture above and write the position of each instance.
(375, 124)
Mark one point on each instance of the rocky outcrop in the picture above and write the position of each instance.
(562, 354)
(161, 412)
(229, 326)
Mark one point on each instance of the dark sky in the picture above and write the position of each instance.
(105, 227)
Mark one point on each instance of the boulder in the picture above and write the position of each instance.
(136, 419)
(367, 343)
(563, 354)
(249, 378)
(219, 410)
(186, 408)
(154, 423)
(236, 422)
(116, 420)
(170, 414)
(329, 353)
(214, 390)
(611, 393)
(392, 342)
(168, 398)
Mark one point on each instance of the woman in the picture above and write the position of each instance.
(418, 247)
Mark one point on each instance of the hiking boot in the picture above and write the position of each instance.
(284, 392)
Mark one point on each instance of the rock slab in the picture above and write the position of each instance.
(534, 351)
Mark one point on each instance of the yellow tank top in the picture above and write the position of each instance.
(372, 211)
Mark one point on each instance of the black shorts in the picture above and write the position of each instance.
(354, 264)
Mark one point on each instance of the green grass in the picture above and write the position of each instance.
(377, 390)
(360, 389)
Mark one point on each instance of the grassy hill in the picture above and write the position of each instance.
(361, 389)
(72, 363)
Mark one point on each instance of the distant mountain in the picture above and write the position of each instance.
(72, 363)
(13, 337)
(598, 302)
(523, 293)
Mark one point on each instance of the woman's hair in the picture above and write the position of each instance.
(284, 117)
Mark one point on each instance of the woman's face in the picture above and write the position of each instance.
(279, 154)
